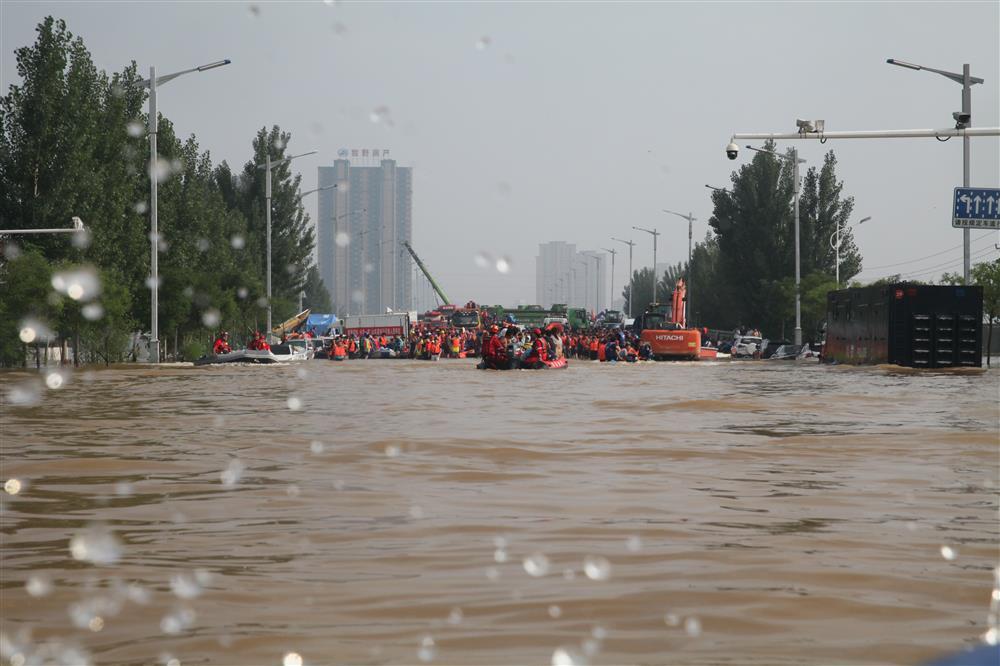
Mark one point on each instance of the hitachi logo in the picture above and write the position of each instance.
(670, 338)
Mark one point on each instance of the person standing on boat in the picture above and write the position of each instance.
(221, 345)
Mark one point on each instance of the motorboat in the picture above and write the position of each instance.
(515, 364)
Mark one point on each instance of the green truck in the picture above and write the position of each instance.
(536, 315)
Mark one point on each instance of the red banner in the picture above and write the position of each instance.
(375, 330)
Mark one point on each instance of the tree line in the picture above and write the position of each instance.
(74, 144)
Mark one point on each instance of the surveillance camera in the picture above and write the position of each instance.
(961, 119)
(732, 151)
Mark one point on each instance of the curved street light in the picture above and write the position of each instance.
(836, 245)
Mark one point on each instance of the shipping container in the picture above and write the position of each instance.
(913, 325)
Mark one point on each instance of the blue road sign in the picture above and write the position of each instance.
(976, 208)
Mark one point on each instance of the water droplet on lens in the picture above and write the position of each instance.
(503, 265)
(262, 302)
(185, 586)
(357, 296)
(342, 239)
(500, 556)
(565, 657)
(569, 574)
(483, 43)
(483, 260)
(92, 311)
(294, 403)
(391, 450)
(232, 474)
(202, 244)
(55, 379)
(242, 292)
(27, 334)
(317, 447)
(211, 317)
(97, 545)
(692, 627)
(427, 650)
(13, 486)
(78, 284)
(38, 586)
(596, 568)
(96, 624)
(671, 619)
(150, 282)
(948, 553)
(416, 512)
(237, 242)
(536, 565)
(135, 129)
(369, 267)
(634, 543)
(591, 646)
(255, 12)
(293, 490)
(141, 207)
(492, 573)
(292, 659)
(161, 171)
(555, 612)
(455, 616)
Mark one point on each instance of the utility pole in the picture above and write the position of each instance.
(613, 253)
(631, 287)
(654, 233)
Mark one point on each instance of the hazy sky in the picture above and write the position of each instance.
(533, 122)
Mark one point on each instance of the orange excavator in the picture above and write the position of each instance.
(664, 327)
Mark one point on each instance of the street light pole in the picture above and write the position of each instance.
(154, 232)
(631, 287)
(268, 166)
(77, 228)
(963, 120)
(613, 252)
(837, 245)
(798, 266)
(687, 273)
(654, 233)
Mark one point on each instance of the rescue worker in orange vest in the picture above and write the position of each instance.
(258, 342)
(221, 345)
(539, 350)
(495, 354)
(595, 345)
(339, 351)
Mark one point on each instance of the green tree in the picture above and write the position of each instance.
(24, 295)
(292, 238)
(822, 208)
(317, 297)
(754, 226)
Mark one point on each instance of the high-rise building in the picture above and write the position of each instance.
(577, 279)
(359, 233)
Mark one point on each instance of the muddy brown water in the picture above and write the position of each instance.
(386, 512)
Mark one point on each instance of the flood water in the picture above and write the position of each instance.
(388, 512)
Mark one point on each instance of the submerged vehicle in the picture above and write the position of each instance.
(662, 326)
(293, 350)
(914, 325)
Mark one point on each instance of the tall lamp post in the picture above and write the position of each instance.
(654, 233)
(154, 233)
(268, 165)
(687, 274)
(612, 252)
(836, 245)
(631, 287)
(963, 120)
(798, 268)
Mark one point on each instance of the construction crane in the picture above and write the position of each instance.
(420, 264)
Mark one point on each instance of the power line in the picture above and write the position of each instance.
(913, 261)
(940, 268)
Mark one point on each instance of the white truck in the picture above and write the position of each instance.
(397, 323)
